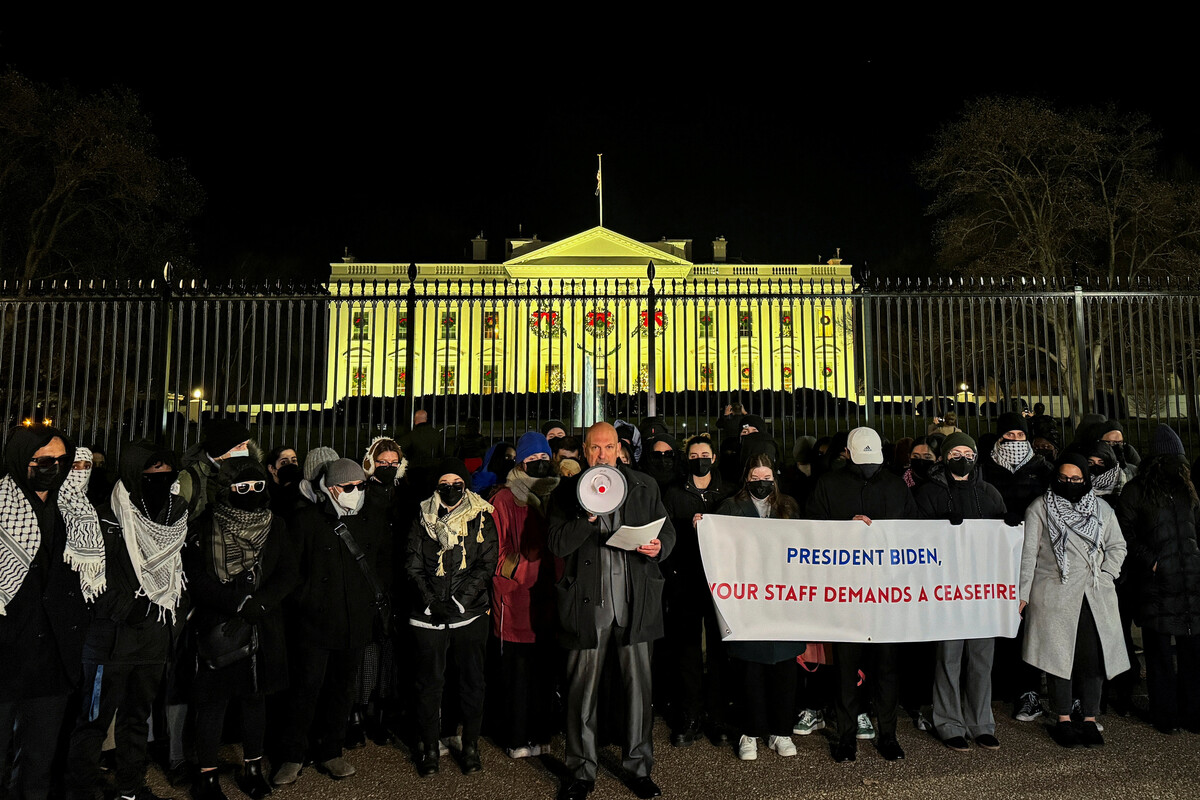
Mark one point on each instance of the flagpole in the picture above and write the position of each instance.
(600, 184)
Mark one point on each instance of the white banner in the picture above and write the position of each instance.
(891, 581)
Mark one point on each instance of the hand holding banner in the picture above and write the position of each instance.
(892, 581)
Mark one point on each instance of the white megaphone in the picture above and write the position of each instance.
(601, 489)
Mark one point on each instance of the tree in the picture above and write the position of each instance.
(82, 191)
(1023, 189)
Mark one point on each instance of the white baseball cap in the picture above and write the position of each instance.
(865, 446)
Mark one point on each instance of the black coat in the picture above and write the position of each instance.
(846, 493)
(1168, 598)
(332, 606)
(214, 603)
(578, 542)
(942, 497)
(469, 586)
(683, 503)
(1018, 489)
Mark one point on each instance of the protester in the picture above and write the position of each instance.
(238, 577)
(497, 463)
(956, 491)
(283, 466)
(523, 604)
(1071, 559)
(660, 460)
(135, 620)
(922, 457)
(864, 491)
(1158, 515)
(470, 445)
(452, 552)
(767, 669)
(51, 562)
(700, 685)
(608, 599)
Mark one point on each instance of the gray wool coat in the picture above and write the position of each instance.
(1052, 616)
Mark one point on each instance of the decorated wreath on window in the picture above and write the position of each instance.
(600, 323)
(545, 323)
(660, 320)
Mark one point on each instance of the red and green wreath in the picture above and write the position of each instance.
(545, 323)
(600, 323)
(660, 320)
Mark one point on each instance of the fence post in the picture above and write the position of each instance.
(868, 355)
(410, 343)
(166, 316)
(652, 361)
(1083, 402)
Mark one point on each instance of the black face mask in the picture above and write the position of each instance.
(920, 468)
(45, 479)
(699, 466)
(960, 466)
(1071, 492)
(869, 470)
(760, 489)
(451, 494)
(289, 474)
(503, 466)
(1098, 469)
(386, 475)
(250, 501)
(1118, 449)
(1048, 453)
(156, 490)
(542, 468)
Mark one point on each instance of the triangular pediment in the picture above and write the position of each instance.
(599, 252)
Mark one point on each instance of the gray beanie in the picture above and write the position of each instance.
(316, 460)
(343, 471)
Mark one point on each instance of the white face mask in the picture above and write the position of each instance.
(351, 502)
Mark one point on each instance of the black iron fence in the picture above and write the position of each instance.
(343, 363)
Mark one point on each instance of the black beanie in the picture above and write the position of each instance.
(451, 466)
(1011, 421)
(222, 434)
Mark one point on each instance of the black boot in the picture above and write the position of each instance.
(427, 758)
(207, 786)
(470, 757)
(375, 724)
(252, 782)
(355, 736)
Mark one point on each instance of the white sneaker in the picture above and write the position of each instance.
(748, 748)
(865, 729)
(520, 752)
(782, 745)
(809, 721)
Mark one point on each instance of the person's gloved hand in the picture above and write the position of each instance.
(252, 610)
(956, 520)
(442, 611)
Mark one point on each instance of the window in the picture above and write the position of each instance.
(491, 323)
(359, 384)
(446, 379)
(708, 323)
(488, 379)
(401, 382)
(707, 377)
(360, 325)
(745, 323)
(789, 382)
(825, 322)
(785, 323)
(448, 325)
(402, 329)
(554, 378)
(746, 375)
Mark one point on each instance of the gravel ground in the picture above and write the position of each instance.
(1137, 762)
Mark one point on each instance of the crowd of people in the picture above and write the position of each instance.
(422, 599)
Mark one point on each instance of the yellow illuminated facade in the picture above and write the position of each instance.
(571, 316)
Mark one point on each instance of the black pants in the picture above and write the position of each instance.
(126, 692)
(319, 704)
(768, 697)
(1120, 689)
(468, 646)
(814, 690)
(527, 680)
(210, 721)
(1087, 671)
(33, 727)
(878, 662)
(697, 663)
(1174, 693)
(1011, 675)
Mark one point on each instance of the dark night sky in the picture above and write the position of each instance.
(403, 145)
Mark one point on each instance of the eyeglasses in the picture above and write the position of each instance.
(46, 462)
(246, 487)
(1063, 479)
(963, 458)
(350, 487)
(387, 463)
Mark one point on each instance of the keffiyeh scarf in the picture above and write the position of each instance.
(155, 550)
(1012, 455)
(450, 531)
(1109, 481)
(85, 542)
(238, 538)
(1081, 519)
(530, 491)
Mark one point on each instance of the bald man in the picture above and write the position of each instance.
(608, 598)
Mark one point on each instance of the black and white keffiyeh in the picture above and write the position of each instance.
(1065, 517)
(155, 550)
(85, 542)
(1109, 481)
(1012, 455)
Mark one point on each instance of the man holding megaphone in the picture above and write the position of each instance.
(608, 597)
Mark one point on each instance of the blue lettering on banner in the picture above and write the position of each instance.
(909, 555)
